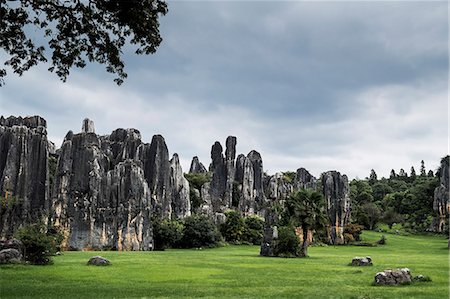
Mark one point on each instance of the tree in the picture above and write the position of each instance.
(373, 176)
(393, 175)
(413, 173)
(390, 217)
(76, 31)
(422, 168)
(253, 230)
(199, 231)
(402, 173)
(370, 214)
(233, 227)
(430, 173)
(306, 210)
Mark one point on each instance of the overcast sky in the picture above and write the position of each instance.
(348, 86)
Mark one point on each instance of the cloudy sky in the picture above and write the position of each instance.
(349, 86)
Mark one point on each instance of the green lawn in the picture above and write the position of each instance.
(236, 271)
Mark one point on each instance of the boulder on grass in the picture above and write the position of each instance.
(362, 261)
(393, 277)
(11, 243)
(98, 261)
(10, 256)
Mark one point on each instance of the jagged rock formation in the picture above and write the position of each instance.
(181, 205)
(336, 191)
(23, 172)
(304, 180)
(108, 187)
(441, 203)
(197, 166)
(155, 158)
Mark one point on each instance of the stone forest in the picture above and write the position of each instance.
(103, 191)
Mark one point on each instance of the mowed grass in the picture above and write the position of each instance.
(236, 271)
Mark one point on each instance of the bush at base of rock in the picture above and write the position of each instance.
(38, 245)
(199, 231)
(98, 261)
(10, 256)
(361, 261)
(287, 244)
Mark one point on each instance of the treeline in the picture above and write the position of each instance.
(403, 198)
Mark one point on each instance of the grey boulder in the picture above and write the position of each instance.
(9, 256)
(393, 277)
(362, 261)
(98, 261)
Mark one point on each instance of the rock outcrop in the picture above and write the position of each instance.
(155, 159)
(393, 277)
(181, 205)
(197, 166)
(441, 203)
(336, 191)
(102, 196)
(362, 261)
(23, 172)
(98, 261)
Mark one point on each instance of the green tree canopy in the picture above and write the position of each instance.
(73, 32)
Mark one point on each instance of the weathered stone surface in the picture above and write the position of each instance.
(219, 178)
(11, 243)
(304, 180)
(88, 126)
(10, 255)
(441, 203)
(98, 261)
(247, 202)
(181, 205)
(362, 261)
(122, 144)
(258, 171)
(155, 158)
(393, 277)
(23, 172)
(336, 191)
(102, 199)
(278, 188)
(270, 233)
(197, 166)
(230, 155)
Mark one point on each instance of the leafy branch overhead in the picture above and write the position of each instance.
(76, 31)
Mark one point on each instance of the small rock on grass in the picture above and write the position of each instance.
(98, 261)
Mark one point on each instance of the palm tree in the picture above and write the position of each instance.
(306, 210)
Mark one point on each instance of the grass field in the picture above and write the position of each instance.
(236, 271)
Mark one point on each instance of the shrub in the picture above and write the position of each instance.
(233, 227)
(166, 233)
(253, 230)
(38, 245)
(287, 244)
(199, 231)
(382, 241)
(352, 232)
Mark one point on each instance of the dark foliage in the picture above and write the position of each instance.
(253, 230)
(199, 231)
(38, 245)
(287, 244)
(233, 227)
(166, 233)
(74, 32)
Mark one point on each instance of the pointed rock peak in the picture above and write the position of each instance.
(69, 135)
(175, 159)
(197, 166)
(88, 126)
(254, 155)
(158, 138)
(230, 151)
